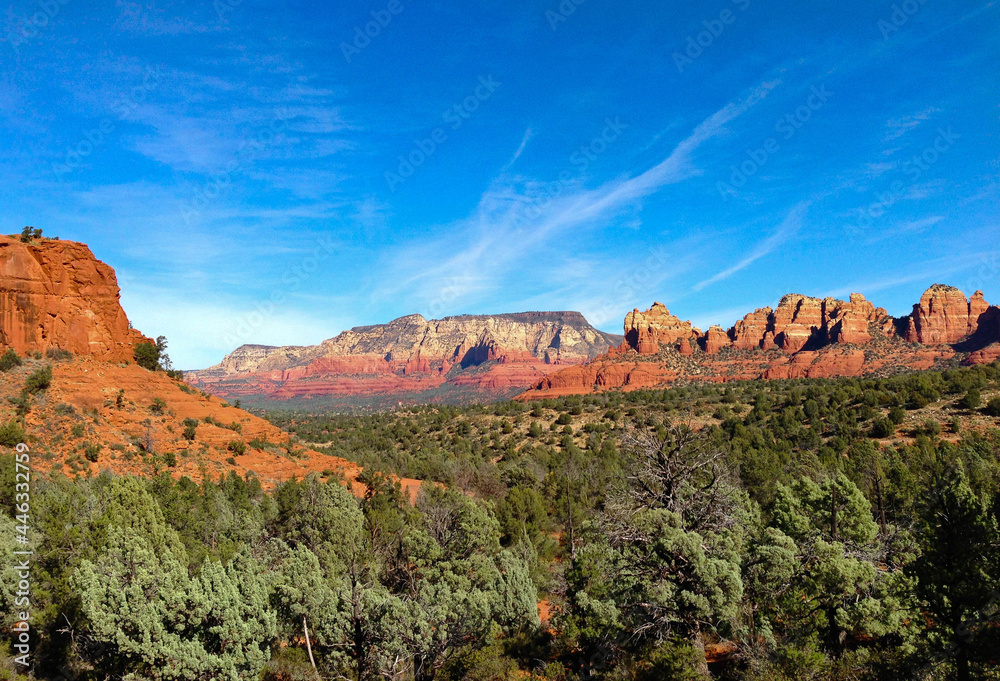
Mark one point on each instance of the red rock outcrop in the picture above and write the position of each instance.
(56, 294)
(646, 331)
(715, 339)
(985, 342)
(810, 332)
(801, 321)
(944, 315)
(848, 323)
(749, 333)
(794, 322)
(817, 365)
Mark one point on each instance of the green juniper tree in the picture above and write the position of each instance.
(958, 574)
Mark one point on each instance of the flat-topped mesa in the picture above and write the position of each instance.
(56, 294)
(474, 339)
(944, 315)
(466, 357)
(646, 331)
(248, 359)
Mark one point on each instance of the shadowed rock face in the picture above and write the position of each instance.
(478, 353)
(56, 294)
(803, 337)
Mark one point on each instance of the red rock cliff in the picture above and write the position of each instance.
(943, 315)
(646, 331)
(56, 294)
(811, 334)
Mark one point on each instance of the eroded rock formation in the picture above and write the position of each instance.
(804, 337)
(56, 294)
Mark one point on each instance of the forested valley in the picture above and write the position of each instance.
(841, 529)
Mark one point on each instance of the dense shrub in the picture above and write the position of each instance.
(38, 380)
(91, 451)
(9, 360)
(11, 434)
(147, 356)
(993, 407)
(190, 429)
(972, 400)
(882, 428)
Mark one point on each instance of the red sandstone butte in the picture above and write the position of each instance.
(646, 331)
(804, 337)
(56, 294)
(943, 315)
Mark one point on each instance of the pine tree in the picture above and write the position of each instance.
(958, 573)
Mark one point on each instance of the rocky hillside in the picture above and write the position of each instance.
(803, 337)
(411, 359)
(76, 396)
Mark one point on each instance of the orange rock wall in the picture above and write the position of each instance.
(56, 294)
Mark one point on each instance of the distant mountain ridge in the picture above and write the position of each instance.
(455, 359)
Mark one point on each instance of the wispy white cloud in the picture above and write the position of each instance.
(512, 222)
(202, 330)
(897, 127)
(927, 272)
(146, 19)
(912, 227)
(786, 230)
(528, 134)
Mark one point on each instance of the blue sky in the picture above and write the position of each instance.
(269, 174)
